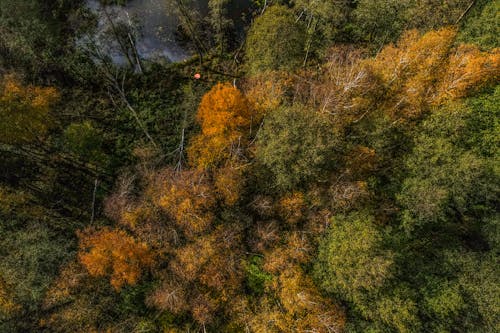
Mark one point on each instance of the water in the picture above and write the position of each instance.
(156, 26)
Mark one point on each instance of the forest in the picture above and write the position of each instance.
(253, 166)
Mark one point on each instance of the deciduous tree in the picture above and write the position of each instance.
(225, 118)
(24, 111)
(113, 253)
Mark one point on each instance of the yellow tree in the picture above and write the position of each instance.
(425, 70)
(112, 252)
(228, 182)
(293, 304)
(404, 80)
(187, 197)
(203, 275)
(410, 70)
(468, 71)
(292, 207)
(8, 306)
(225, 118)
(266, 91)
(24, 111)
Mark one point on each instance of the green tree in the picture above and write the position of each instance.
(36, 35)
(85, 141)
(352, 259)
(448, 181)
(34, 243)
(220, 23)
(276, 41)
(297, 145)
(382, 21)
(481, 26)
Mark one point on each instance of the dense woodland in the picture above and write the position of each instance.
(334, 169)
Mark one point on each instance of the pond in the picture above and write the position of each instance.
(156, 25)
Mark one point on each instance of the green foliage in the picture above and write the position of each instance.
(399, 311)
(25, 34)
(352, 260)
(483, 124)
(328, 21)
(256, 277)
(444, 302)
(481, 26)
(30, 259)
(478, 279)
(297, 145)
(33, 246)
(34, 34)
(164, 106)
(85, 141)
(220, 22)
(446, 182)
(276, 41)
(132, 300)
(382, 21)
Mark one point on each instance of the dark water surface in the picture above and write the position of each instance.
(156, 24)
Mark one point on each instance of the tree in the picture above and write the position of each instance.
(294, 302)
(479, 279)
(349, 89)
(8, 306)
(188, 198)
(480, 28)
(328, 21)
(383, 21)
(33, 245)
(275, 41)
(267, 91)
(297, 145)
(352, 260)
(85, 141)
(220, 22)
(411, 69)
(204, 275)
(422, 71)
(112, 252)
(229, 182)
(37, 37)
(190, 18)
(24, 111)
(454, 184)
(225, 118)
(469, 70)
(380, 21)
(292, 207)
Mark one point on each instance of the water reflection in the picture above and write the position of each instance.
(155, 25)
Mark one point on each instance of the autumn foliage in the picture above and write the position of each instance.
(421, 71)
(225, 118)
(113, 253)
(187, 197)
(7, 304)
(405, 79)
(24, 110)
(290, 216)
